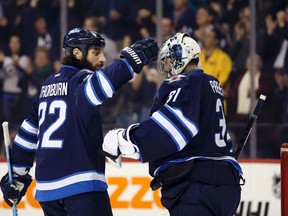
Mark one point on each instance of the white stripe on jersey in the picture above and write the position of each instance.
(91, 94)
(105, 85)
(187, 123)
(172, 130)
(25, 143)
(27, 127)
(60, 183)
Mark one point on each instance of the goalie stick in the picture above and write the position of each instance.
(7, 147)
(250, 124)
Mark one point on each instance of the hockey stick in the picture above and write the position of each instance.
(7, 147)
(249, 126)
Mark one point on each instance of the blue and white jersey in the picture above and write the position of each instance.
(64, 132)
(187, 122)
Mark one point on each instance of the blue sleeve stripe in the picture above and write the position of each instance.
(128, 66)
(32, 138)
(105, 85)
(90, 93)
(29, 128)
(26, 144)
(170, 128)
(187, 123)
(23, 147)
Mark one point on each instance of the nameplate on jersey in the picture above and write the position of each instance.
(175, 78)
(55, 89)
(216, 87)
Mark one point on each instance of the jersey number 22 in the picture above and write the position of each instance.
(44, 111)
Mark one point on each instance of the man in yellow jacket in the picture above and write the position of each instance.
(213, 60)
(216, 62)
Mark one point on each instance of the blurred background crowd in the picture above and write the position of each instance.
(30, 50)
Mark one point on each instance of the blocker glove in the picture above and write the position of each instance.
(117, 144)
(13, 193)
(141, 53)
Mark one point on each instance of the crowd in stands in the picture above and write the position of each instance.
(30, 51)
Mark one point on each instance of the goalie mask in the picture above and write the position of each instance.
(176, 53)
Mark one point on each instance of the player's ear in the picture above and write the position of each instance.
(77, 53)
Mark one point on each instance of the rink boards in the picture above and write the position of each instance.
(130, 193)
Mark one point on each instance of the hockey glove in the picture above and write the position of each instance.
(117, 144)
(110, 147)
(13, 193)
(141, 53)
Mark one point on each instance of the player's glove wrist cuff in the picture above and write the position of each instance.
(132, 58)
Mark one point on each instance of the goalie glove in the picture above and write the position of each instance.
(13, 193)
(141, 53)
(117, 144)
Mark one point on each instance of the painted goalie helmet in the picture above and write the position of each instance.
(176, 53)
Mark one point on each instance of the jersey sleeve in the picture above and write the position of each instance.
(171, 127)
(25, 143)
(103, 84)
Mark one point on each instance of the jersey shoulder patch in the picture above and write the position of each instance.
(175, 78)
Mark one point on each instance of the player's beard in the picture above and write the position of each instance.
(81, 64)
(84, 63)
(88, 65)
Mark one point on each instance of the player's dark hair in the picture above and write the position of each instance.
(194, 61)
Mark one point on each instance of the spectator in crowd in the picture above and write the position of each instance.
(263, 82)
(117, 15)
(145, 18)
(239, 49)
(40, 37)
(3, 26)
(145, 85)
(276, 41)
(280, 94)
(286, 13)
(213, 60)
(280, 110)
(183, 17)
(13, 66)
(95, 24)
(31, 81)
(16, 12)
(167, 28)
(204, 19)
(218, 12)
(285, 102)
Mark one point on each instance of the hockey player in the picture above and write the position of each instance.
(185, 141)
(63, 130)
